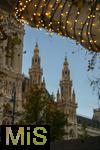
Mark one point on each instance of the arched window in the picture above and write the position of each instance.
(35, 60)
(65, 73)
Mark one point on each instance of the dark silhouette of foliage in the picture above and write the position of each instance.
(40, 109)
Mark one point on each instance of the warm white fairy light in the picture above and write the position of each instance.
(69, 25)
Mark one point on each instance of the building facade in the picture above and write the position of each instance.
(11, 53)
(14, 86)
(87, 127)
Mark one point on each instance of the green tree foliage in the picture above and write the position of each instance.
(57, 122)
(34, 106)
(40, 109)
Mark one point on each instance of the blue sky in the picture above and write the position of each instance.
(52, 52)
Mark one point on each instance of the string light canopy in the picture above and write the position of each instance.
(76, 19)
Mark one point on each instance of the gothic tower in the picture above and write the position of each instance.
(36, 72)
(65, 83)
(66, 100)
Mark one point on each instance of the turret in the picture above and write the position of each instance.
(43, 83)
(65, 83)
(58, 96)
(36, 71)
(73, 96)
(36, 50)
(36, 58)
(65, 71)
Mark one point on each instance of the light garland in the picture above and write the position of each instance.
(56, 16)
(45, 12)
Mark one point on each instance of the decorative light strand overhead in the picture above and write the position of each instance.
(71, 18)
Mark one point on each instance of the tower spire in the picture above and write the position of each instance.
(36, 49)
(43, 83)
(36, 45)
(65, 83)
(65, 62)
(73, 95)
(35, 71)
(65, 70)
(58, 96)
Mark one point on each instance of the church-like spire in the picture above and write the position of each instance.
(58, 91)
(36, 57)
(65, 83)
(58, 96)
(65, 70)
(65, 62)
(36, 50)
(52, 96)
(43, 83)
(36, 70)
(36, 44)
(73, 95)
